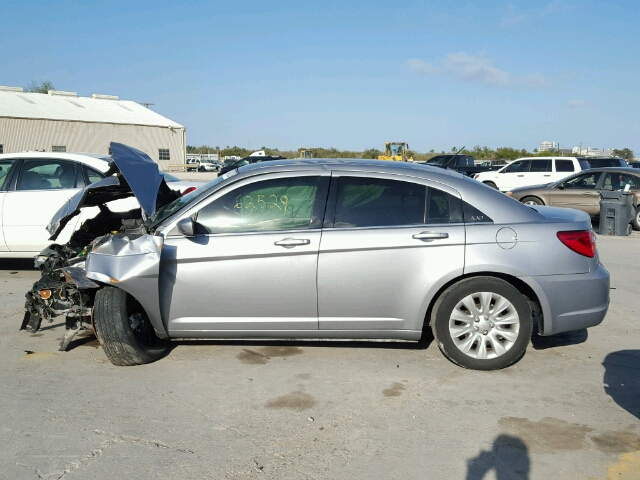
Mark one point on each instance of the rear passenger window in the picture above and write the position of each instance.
(564, 166)
(540, 166)
(373, 202)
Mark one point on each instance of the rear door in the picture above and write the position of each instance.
(42, 186)
(381, 250)
(562, 168)
(578, 192)
(540, 172)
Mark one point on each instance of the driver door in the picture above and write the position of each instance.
(252, 264)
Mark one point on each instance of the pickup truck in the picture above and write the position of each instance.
(460, 163)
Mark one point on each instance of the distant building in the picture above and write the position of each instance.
(548, 146)
(63, 122)
(593, 152)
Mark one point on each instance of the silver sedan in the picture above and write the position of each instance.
(347, 249)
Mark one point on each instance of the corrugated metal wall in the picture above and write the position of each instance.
(19, 135)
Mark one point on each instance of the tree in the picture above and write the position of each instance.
(39, 87)
(373, 153)
(625, 153)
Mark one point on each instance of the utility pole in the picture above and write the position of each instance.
(146, 104)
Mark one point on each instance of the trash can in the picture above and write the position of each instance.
(617, 209)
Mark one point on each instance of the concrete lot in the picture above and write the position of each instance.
(276, 410)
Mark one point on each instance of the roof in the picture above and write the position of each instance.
(97, 161)
(79, 109)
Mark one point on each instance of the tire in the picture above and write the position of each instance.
(532, 201)
(514, 318)
(491, 184)
(636, 220)
(123, 345)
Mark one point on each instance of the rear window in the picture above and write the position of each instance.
(540, 166)
(564, 166)
(584, 165)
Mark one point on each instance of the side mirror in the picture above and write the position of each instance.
(561, 186)
(186, 227)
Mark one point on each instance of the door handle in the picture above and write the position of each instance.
(429, 236)
(521, 175)
(546, 175)
(587, 194)
(292, 242)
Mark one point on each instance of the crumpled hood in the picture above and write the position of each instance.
(140, 176)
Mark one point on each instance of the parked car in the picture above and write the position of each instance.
(335, 248)
(34, 185)
(464, 164)
(531, 171)
(203, 165)
(581, 191)
(602, 162)
(248, 161)
(634, 164)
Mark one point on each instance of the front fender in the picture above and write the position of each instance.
(132, 263)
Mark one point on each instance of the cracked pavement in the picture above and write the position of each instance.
(322, 410)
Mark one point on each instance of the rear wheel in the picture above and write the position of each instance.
(124, 330)
(532, 201)
(482, 323)
(491, 184)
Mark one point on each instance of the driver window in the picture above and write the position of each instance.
(587, 181)
(519, 166)
(269, 205)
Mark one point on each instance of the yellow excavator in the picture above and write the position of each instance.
(396, 152)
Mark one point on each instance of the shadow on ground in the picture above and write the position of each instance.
(622, 379)
(508, 457)
(559, 340)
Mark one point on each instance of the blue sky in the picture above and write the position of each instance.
(346, 74)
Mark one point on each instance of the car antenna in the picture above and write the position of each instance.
(456, 152)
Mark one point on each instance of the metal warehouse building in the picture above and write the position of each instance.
(62, 121)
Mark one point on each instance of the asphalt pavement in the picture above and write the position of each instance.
(324, 410)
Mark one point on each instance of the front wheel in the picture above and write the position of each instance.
(124, 330)
(482, 323)
(491, 184)
(532, 201)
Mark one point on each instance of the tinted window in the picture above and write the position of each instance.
(442, 207)
(618, 181)
(585, 181)
(47, 175)
(584, 165)
(5, 166)
(279, 204)
(372, 202)
(564, 166)
(540, 166)
(519, 166)
(436, 160)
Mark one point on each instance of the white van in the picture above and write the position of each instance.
(525, 172)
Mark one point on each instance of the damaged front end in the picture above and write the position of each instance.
(109, 249)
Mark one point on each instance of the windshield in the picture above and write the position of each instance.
(435, 161)
(169, 209)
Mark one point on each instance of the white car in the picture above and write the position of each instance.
(525, 172)
(33, 187)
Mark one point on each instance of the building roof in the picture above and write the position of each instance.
(68, 106)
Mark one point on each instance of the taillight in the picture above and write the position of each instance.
(582, 241)
(188, 190)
